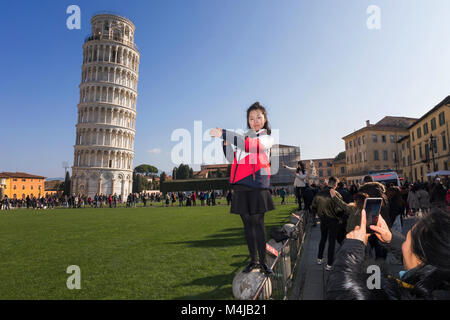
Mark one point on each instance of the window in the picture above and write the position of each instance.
(23, 180)
(414, 153)
(342, 170)
(329, 172)
(383, 138)
(441, 118)
(364, 139)
(403, 146)
(350, 144)
(14, 179)
(412, 135)
(375, 155)
(365, 156)
(394, 156)
(320, 164)
(409, 160)
(359, 141)
(404, 161)
(23, 187)
(420, 151)
(31, 187)
(407, 144)
(425, 128)
(360, 157)
(419, 133)
(329, 164)
(392, 137)
(444, 142)
(374, 138)
(15, 187)
(385, 155)
(321, 173)
(433, 124)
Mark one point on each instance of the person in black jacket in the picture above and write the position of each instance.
(426, 259)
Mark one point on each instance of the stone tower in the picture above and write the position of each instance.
(104, 146)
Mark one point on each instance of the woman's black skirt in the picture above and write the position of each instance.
(248, 201)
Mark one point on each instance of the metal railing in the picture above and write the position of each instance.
(111, 38)
(276, 287)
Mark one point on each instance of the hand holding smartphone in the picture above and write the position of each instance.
(372, 206)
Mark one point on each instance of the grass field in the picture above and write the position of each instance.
(125, 253)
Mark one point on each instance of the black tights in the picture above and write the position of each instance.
(255, 234)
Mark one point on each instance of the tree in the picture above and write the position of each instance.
(174, 173)
(162, 177)
(146, 169)
(340, 156)
(182, 172)
(67, 184)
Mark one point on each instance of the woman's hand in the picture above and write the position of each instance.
(359, 233)
(283, 164)
(217, 132)
(382, 230)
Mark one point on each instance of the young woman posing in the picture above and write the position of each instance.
(250, 180)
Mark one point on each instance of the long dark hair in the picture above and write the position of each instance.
(431, 243)
(257, 106)
(302, 167)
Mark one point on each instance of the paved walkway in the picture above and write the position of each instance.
(311, 278)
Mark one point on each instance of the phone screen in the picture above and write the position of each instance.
(372, 207)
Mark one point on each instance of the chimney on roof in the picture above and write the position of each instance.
(367, 123)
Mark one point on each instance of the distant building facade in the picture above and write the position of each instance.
(374, 147)
(426, 148)
(212, 170)
(19, 185)
(290, 155)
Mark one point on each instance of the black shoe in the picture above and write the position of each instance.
(250, 267)
(265, 268)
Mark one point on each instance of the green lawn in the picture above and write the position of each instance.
(125, 253)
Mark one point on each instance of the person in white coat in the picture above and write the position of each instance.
(299, 182)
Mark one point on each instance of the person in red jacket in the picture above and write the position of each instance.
(250, 180)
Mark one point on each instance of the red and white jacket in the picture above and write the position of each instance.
(250, 157)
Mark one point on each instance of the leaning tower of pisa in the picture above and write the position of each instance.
(104, 146)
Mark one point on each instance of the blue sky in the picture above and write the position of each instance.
(315, 65)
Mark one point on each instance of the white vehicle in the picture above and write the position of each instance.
(386, 178)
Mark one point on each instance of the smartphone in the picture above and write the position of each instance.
(372, 206)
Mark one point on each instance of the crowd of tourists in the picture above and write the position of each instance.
(202, 198)
(79, 201)
(424, 252)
